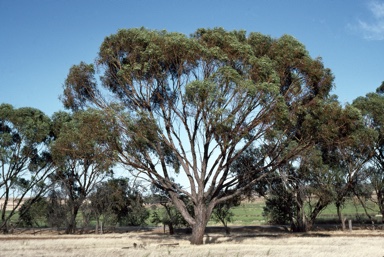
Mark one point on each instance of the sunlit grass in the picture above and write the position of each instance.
(155, 245)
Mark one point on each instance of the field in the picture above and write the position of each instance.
(245, 241)
(250, 236)
(251, 213)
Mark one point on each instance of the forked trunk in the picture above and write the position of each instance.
(299, 222)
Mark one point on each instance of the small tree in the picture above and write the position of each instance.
(33, 213)
(137, 214)
(82, 157)
(279, 206)
(104, 201)
(25, 162)
(371, 107)
(116, 201)
(169, 216)
(222, 212)
(56, 210)
(325, 172)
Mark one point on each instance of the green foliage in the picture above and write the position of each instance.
(84, 85)
(84, 135)
(279, 206)
(25, 161)
(168, 215)
(137, 214)
(56, 210)
(117, 201)
(223, 214)
(165, 211)
(83, 156)
(195, 104)
(371, 107)
(33, 213)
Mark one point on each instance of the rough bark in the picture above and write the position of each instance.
(198, 231)
(4, 221)
(380, 201)
(71, 227)
(202, 215)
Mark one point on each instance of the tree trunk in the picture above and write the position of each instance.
(171, 229)
(202, 214)
(71, 227)
(300, 225)
(198, 231)
(299, 221)
(170, 223)
(4, 220)
(380, 201)
(365, 208)
(340, 215)
(97, 225)
(227, 230)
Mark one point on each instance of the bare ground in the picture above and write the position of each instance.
(243, 241)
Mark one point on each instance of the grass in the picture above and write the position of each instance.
(351, 210)
(14, 218)
(251, 213)
(122, 245)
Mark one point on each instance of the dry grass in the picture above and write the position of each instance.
(357, 243)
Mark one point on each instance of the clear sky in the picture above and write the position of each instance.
(41, 39)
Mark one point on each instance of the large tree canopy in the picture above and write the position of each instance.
(194, 104)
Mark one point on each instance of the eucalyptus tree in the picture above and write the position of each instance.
(117, 201)
(82, 157)
(349, 157)
(342, 150)
(372, 108)
(25, 162)
(324, 173)
(192, 105)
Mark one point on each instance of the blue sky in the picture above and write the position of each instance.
(41, 39)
